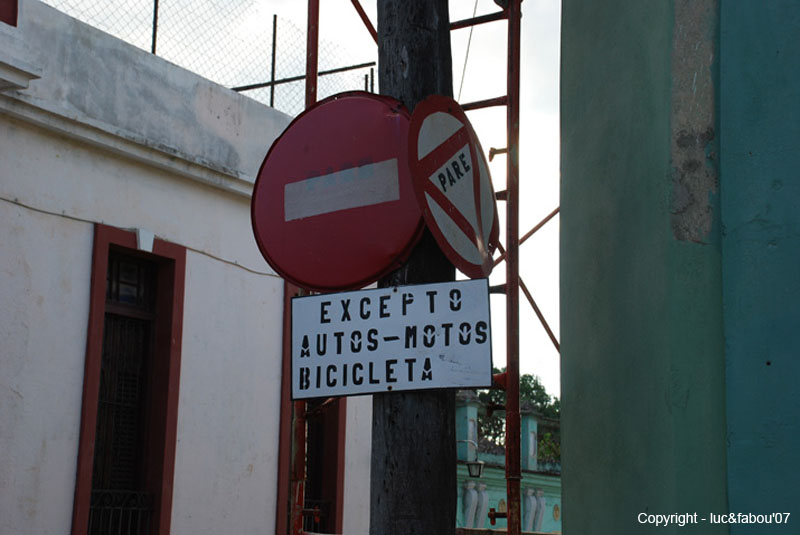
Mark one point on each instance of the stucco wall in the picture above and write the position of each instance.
(760, 134)
(357, 459)
(44, 291)
(642, 363)
(226, 455)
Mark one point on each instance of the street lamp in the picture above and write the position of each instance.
(475, 468)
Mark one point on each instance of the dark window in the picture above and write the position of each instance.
(8, 11)
(120, 502)
(324, 457)
(129, 412)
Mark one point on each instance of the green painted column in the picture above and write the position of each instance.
(643, 367)
(528, 438)
(760, 193)
(466, 425)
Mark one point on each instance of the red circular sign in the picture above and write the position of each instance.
(333, 207)
(453, 186)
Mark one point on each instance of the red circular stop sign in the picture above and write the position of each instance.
(453, 185)
(333, 206)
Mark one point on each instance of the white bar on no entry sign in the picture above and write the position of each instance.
(350, 188)
(392, 339)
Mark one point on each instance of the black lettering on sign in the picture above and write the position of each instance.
(304, 379)
(318, 377)
(428, 335)
(355, 341)
(407, 300)
(427, 373)
(322, 344)
(344, 374)
(338, 335)
(323, 312)
(456, 170)
(372, 339)
(364, 313)
(463, 159)
(372, 379)
(410, 364)
(330, 379)
(481, 332)
(447, 327)
(411, 336)
(390, 378)
(455, 299)
(345, 309)
(453, 171)
(384, 306)
(443, 181)
(431, 304)
(358, 379)
(304, 351)
(464, 333)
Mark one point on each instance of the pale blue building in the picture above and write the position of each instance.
(541, 482)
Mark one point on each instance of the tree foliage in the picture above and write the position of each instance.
(491, 426)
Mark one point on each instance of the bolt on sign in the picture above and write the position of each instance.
(392, 339)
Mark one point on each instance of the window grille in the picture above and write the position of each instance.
(120, 503)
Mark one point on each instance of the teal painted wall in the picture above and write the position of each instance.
(643, 369)
(760, 191)
(494, 479)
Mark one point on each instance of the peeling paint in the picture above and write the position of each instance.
(693, 120)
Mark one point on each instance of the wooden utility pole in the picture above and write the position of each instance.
(413, 478)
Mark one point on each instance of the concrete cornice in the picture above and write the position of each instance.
(124, 143)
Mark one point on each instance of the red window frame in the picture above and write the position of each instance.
(8, 11)
(292, 444)
(171, 276)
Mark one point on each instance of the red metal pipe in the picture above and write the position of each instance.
(312, 44)
(539, 315)
(497, 101)
(298, 449)
(502, 289)
(513, 471)
(474, 21)
(528, 234)
(298, 468)
(285, 435)
(365, 19)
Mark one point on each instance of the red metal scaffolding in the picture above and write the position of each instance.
(292, 440)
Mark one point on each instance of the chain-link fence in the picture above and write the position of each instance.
(235, 43)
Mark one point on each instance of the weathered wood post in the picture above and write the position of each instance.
(413, 478)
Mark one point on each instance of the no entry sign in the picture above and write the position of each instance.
(452, 184)
(390, 339)
(333, 206)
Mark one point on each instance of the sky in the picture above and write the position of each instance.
(485, 77)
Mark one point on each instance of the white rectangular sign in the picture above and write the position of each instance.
(389, 339)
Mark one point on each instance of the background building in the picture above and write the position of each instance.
(541, 480)
(124, 209)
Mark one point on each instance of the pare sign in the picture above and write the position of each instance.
(392, 339)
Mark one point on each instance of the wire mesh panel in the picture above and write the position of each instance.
(230, 42)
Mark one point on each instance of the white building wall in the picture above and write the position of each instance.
(111, 134)
(44, 303)
(228, 421)
(357, 461)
